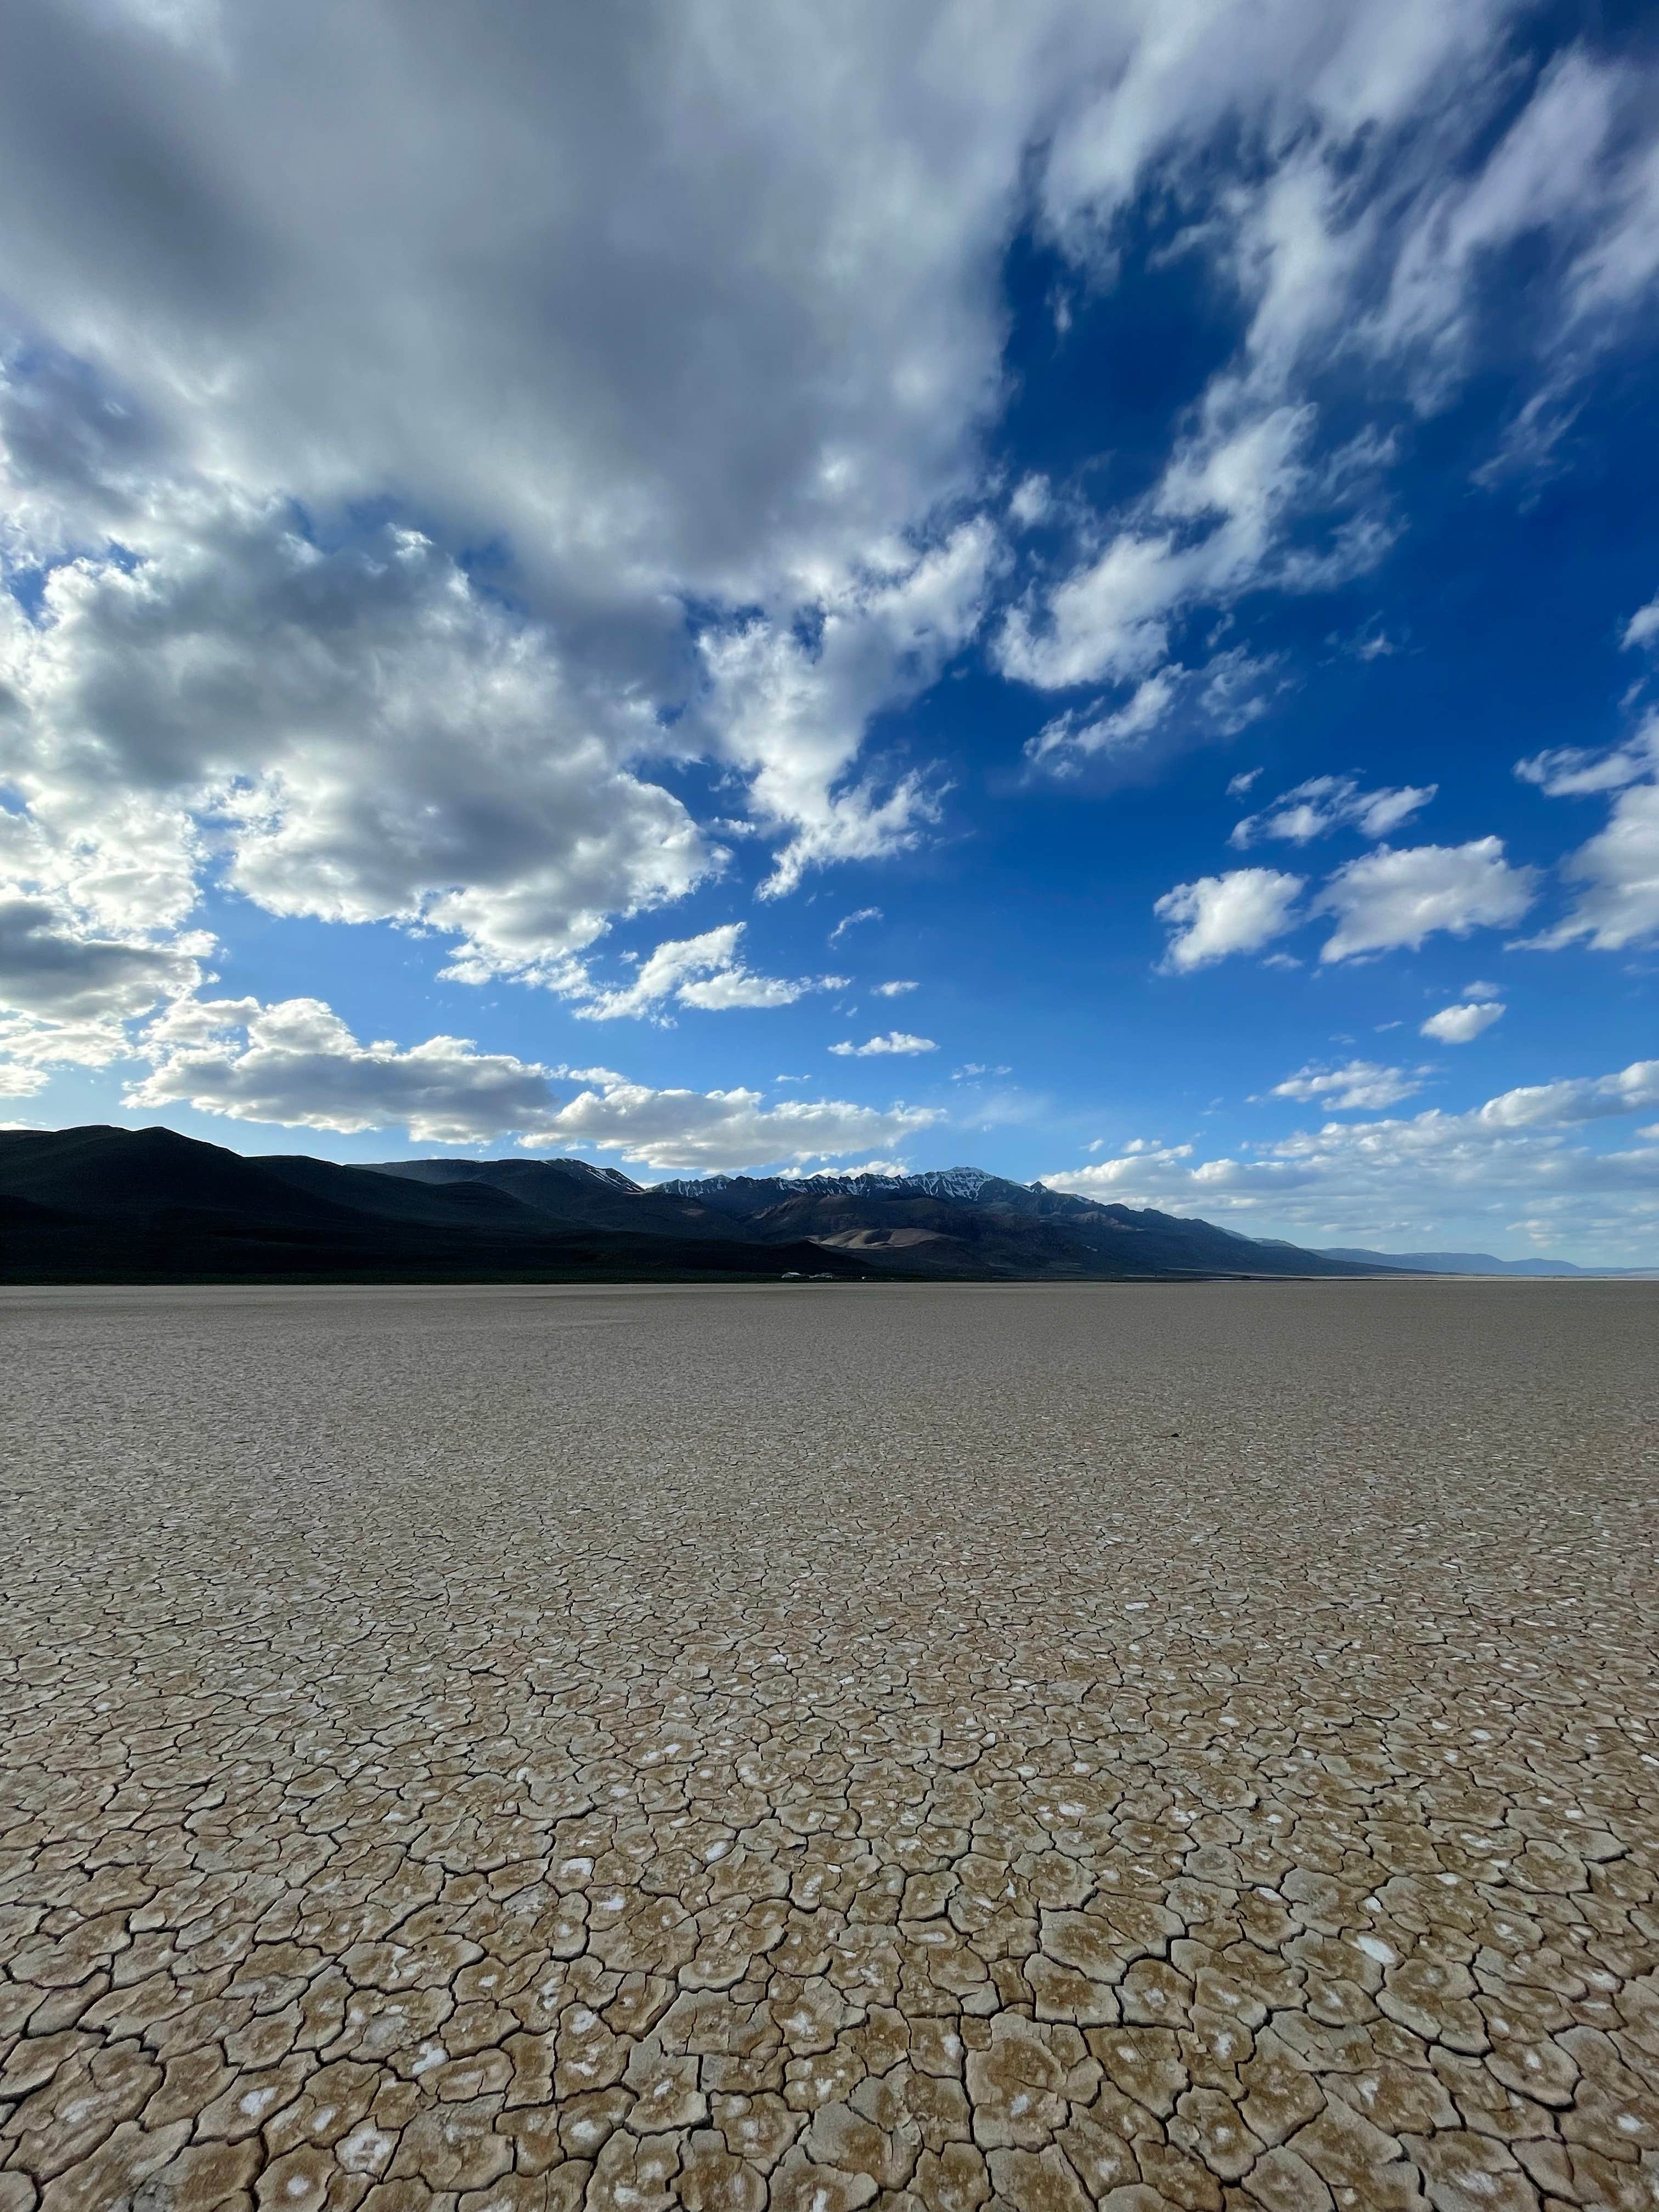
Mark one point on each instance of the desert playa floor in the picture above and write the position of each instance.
(826, 1746)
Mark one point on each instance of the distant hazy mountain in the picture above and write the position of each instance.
(1472, 1263)
(112, 1205)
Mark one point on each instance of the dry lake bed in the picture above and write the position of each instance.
(825, 1745)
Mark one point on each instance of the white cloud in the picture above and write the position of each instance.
(1436, 1178)
(721, 1132)
(49, 967)
(895, 990)
(1388, 899)
(854, 1168)
(1580, 772)
(1461, 1024)
(78, 961)
(381, 740)
(1239, 784)
(791, 711)
(851, 920)
(1362, 1085)
(1567, 1104)
(1218, 915)
(1219, 698)
(896, 1041)
(297, 1064)
(707, 972)
(1207, 533)
(1618, 867)
(1326, 803)
(690, 327)
(1362, 241)
(1642, 627)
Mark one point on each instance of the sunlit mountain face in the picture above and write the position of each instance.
(828, 592)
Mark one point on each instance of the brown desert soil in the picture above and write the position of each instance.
(823, 1745)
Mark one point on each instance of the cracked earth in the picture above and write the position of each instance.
(827, 1746)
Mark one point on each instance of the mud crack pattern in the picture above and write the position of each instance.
(820, 1747)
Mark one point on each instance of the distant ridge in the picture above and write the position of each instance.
(109, 1204)
(1473, 1263)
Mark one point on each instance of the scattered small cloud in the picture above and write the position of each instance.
(1238, 785)
(1031, 501)
(852, 921)
(896, 1041)
(1462, 1024)
(706, 972)
(893, 990)
(1362, 1085)
(971, 1070)
(1220, 915)
(1327, 803)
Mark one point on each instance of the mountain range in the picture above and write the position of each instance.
(1471, 1263)
(108, 1205)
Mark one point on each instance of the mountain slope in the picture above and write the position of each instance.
(103, 1204)
(961, 1219)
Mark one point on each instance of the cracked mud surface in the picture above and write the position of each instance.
(920, 1747)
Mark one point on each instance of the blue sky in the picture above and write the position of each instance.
(1077, 593)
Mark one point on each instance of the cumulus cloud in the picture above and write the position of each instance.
(722, 1131)
(706, 971)
(1463, 1023)
(1567, 1104)
(1642, 627)
(1326, 803)
(1618, 867)
(1405, 1180)
(297, 1064)
(896, 1041)
(79, 962)
(50, 966)
(1218, 915)
(1362, 1085)
(1388, 899)
(894, 990)
(381, 741)
(682, 336)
